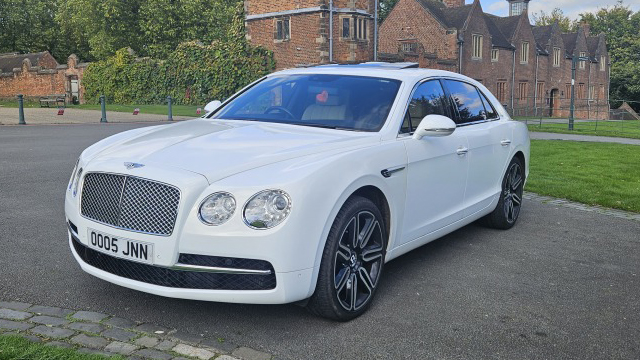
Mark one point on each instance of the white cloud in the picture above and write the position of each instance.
(571, 8)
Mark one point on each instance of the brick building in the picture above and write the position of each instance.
(528, 68)
(305, 32)
(39, 74)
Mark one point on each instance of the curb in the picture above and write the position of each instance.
(102, 334)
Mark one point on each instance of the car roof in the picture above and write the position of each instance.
(398, 71)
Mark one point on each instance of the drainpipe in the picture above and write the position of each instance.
(460, 45)
(375, 36)
(589, 91)
(513, 80)
(535, 91)
(330, 31)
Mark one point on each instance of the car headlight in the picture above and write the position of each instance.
(73, 174)
(76, 182)
(217, 208)
(267, 209)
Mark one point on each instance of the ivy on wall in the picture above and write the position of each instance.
(192, 74)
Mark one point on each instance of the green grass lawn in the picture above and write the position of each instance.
(591, 173)
(14, 347)
(626, 129)
(178, 110)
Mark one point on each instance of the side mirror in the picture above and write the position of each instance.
(212, 106)
(434, 126)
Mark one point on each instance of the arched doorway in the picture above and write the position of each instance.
(554, 103)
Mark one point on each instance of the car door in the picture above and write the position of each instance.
(489, 143)
(436, 169)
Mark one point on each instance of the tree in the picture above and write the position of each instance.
(385, 7)
(544, 19)
(27, 25)
(622, 28)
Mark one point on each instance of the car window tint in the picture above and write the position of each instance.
(467, 101)
(491, 111)
(428, 99)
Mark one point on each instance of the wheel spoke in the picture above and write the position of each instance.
(515, 185)
(511, 211)
(366, 280)
(516, 199)
(354, 291)
(366, 233)
(349, 236)
(371, 254)
(346, 273)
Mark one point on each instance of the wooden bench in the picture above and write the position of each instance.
(59, 100)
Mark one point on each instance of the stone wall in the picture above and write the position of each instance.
(36, 81)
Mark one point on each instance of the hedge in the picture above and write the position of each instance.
(193, 74)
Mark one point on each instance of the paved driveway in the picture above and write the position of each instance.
(49, 116)
(563, 284)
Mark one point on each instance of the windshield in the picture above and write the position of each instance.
(332, 101)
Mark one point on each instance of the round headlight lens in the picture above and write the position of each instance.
(217, 208)
(267, 209)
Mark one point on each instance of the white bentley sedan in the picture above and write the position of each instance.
(299, 188)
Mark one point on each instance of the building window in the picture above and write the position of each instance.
(567, 91)
(540, 91)
(502, 91)
(283, 30)
(583, 64)
(410, 47)
(592, 93)
(495, 54)
(557, 56)
(603, 63)
(602, 93)
(477, 47)
(580, 94)
(346, 28)
(523, 90)
(524, 53)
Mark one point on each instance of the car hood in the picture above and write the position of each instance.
(218, 149)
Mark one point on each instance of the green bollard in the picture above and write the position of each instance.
(170, 118)
(103, 101)
(21, 110)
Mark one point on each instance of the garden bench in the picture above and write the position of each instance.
(59, 100)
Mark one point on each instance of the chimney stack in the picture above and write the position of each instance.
(586, 28)
(453, 3)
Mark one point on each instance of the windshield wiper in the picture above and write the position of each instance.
(326, 126)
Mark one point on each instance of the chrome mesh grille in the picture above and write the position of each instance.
(130, 203)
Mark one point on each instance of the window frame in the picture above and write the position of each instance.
(476, 46)
(524, 55)
(448, 107)
(603, 63)
(582, 64)
(557, 55)
(495, 58)
(346, 21)
(280, 22)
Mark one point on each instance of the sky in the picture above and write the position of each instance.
(571, 8)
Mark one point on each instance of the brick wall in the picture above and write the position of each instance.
(309, 31)
(423, 29)
(34, 82)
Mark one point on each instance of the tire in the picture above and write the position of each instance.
(352, 262)
(507, 211)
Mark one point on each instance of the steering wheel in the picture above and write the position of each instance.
(281, 109)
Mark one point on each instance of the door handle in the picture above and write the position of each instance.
(505, 142)
(462, 151)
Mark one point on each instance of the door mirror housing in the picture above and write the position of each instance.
(212, 106)
(434, 126)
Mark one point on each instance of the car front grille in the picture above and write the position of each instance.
(167, 277)
(130, 203)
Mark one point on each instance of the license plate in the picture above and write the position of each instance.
(121, 247)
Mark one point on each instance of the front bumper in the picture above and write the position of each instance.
(277, 288)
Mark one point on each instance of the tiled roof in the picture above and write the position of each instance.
(592, 45)
(10, 61)
(507, 25)
(570, 40)
(497, 37)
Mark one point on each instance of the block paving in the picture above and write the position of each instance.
(95, 333)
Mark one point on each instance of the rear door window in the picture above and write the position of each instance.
(467, 101)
